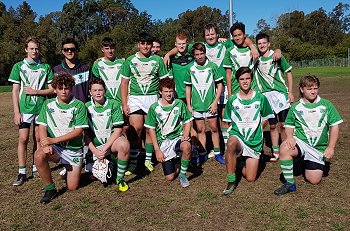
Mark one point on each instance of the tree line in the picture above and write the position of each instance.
(300, 36)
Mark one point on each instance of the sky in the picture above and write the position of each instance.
(248, 12)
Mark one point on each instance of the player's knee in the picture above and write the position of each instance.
(314, 180)
(251, 178)
(39, 157)
(273, 126)
(124, 145)
(186, 147)
(23, 140)
(214, 129)
(170, 177)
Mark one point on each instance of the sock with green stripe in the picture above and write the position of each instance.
(50, 187)
(184, 166)
(149, 151)
(22, 169)
(216, 151)
(276, 149)
(121, 169)
(231, 178)
(287, 170)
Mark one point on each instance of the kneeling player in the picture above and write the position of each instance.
(168, 122)
(246, 111)
(61, 123)
(312, 132)
(106, 125)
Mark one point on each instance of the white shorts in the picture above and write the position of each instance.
(70, 157)
(223, 96)
(277, 101)
(309, 153)
(247, 151)
(203, 115)
(30, 118)
(170, 148)
(143, 102)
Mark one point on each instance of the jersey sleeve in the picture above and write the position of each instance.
(266, 110)
(14, 75)
(49, 74)
(185, 113)
(290, 119)
(94, 70)
(117, 115)
(125, 71)
(285, 66)
(227, 59)
(151, 121)
(187, 77)
(228, 110)
(334, 117)
(162, 72)
(216, 73)
(42, 119)
(81, 120)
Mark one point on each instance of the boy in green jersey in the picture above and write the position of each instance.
(245, 111)
(168, 122)
(30, 77)
(203, 90)
(143, 70)
(61, 123)
(108, 68)
(105, 134)
(270, 81)
(312, 129)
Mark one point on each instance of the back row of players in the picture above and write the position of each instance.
(204, 77)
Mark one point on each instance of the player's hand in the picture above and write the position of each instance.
(18, 119)
(30, 91)
(190, 109)
(291, 97)
(254, 53)
(222, 40)
(160, 156)
(166, 60)
(328, 153)
(47, 141)
(48, 150)
(277, 55)
(126, 110)
(99, 153)
(213, 108)
(185, 138)
(290, 143)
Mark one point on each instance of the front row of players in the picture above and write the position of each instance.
(311, 130)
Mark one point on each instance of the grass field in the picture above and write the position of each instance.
(154, 204)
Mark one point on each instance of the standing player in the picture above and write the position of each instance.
(202, 97)
(73, 66)
(156, 46)
(312, 129)
(61, 123)
(105, 134)
(246, 111)
(29, 78)
(143, 70)
(108, 68)
(270, 82)
(168, 122)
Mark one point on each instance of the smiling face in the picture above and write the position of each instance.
(69, 51)
(238, 37)
(263, 46)
(32, 51)
(98, 92)
(211, 37)
(155, 48)
(181, 45)
(145, 48)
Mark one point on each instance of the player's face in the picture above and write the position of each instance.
(181, 45)
(310, 92)
(155, 48)
(108, 52)
(244, 81)
(211, 37)
(145, 48)
(69, 51)
(199, 56)
(263, 45)
(97, 92)
(63, 93)
(167, 94)
(238, 37)
(32, 51)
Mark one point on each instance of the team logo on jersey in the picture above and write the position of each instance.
(63, 111)
(256, 106)
(236, 108)
(91, 115)
(247, 107)
(134, 64)
(323, 111)
(280, 105)
(102, 68)
(51, 110)
(300, 112)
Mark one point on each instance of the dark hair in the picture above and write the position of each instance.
(166, 82)
(97, 81)
(157, 41)
(107, 42)
(262, 36)
(210, 26)
(237, 26)
(308, 81)
(33, 40)
(198, 47)
(70, 40)
(243, 70)
(145, 37)
(63, 78)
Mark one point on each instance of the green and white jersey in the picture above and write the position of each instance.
(269, 74)
(61, 119)
(168, 120)
(103, 119)
(216, 54)
(35, 76)
(144, 74)
(246, 118)
(311, 121)
(110, 73)
(236, 57)
(202, 79)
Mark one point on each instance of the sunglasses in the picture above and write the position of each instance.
(72, 49)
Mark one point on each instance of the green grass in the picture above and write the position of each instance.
(7, 88)
(322, 71)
